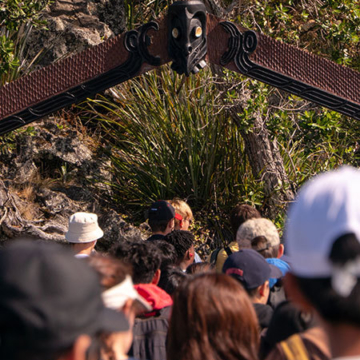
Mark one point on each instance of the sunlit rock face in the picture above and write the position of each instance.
(74, 25)
(47, 173)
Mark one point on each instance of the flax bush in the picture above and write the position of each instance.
(170, 136)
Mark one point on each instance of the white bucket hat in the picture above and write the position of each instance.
(83, 228)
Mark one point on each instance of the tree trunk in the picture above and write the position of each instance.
(263, 154)
(267, 166)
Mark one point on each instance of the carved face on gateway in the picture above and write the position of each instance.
(187, 36)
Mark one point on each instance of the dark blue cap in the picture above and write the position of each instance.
(161, 210)
(283, 266)
(249, 267)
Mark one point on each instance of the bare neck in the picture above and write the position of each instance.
(159, 233)
(85, 248)
(343, 339)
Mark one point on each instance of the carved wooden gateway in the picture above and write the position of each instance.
(190, 38)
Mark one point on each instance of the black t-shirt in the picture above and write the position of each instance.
(264, 314)
(156, 237)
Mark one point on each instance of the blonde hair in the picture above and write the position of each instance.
(181, 208)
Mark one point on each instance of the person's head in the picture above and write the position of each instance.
(118, 294)
(198, 268)
(253, 272)
(260, 235)
(183, 241)
(212, 318)
(168, 253)
(50, 304)
(161, 217)
(118, 290)
(83, 232)
(323, 242)
(171, 278)
(240, 214)
(183, 221)
(144, 257)
(110, 270)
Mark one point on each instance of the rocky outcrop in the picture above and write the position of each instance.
(74, 25)
(49, 172)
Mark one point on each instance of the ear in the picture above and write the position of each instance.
(281, 251)
(126, 309)
(189, 255)
(156, 278)
(79, 348)
(171, 224)
(264, 288)
(294, 293)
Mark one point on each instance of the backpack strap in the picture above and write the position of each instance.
(228, 250)
(294, 348)
(214, 255)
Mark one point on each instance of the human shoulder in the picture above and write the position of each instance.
(223, 255)
(309, 345)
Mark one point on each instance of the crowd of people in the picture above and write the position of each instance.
(156, 299)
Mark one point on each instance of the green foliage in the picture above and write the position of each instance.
(138, 13)
(329, 28)
(15, 13)
(17, 18)
(311, 139)
(171, 138)
(315, 141)
(8, 144)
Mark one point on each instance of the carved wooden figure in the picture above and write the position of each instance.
(189, 38)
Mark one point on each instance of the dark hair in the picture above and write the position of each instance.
(240, 214)
(144, 257)
(182, 241)
(333, 307)
(20, 354)
(212, 318)
(198, 268)
(168, 253)
(111, 271)
(171, 278)
(263, 247)
(158, 225)
(251, 292)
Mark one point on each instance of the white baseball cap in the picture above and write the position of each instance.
(327, 207)
(116, 297)
(83, 228)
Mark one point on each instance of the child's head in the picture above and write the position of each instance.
(183, 221)
(183, 241)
